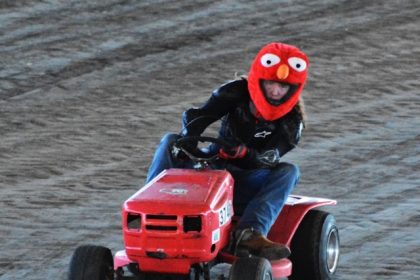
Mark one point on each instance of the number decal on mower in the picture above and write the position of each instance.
(225, 213)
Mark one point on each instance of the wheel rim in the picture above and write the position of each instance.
(333, 250)
(267, 276)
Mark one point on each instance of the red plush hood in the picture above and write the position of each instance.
(281, 63)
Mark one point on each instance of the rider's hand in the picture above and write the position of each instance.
(234, 152)
(178, 153)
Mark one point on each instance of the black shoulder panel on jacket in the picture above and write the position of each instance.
(233, 91)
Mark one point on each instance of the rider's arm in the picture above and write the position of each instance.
(220, 103)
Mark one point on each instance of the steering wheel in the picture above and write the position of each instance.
(185, 143)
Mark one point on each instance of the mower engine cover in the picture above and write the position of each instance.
(180, 218)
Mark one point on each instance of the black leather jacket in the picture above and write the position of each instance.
(267, 140)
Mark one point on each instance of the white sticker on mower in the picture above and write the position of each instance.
(225, 213)
(174, 191)
(215, 236)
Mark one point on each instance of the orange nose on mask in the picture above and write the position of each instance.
(282, 72)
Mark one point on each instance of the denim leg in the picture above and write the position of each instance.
(261, 193)
(162, 159)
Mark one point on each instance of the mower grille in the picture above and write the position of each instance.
(166, 223)
(157, 222)
(161, 228)
(161, 217)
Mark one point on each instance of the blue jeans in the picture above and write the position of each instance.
(259, 194)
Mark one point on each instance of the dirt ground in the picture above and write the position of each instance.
(87, 88)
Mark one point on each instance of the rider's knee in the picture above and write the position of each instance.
(169, 138)
(290, 169)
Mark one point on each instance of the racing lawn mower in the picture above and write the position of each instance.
(179, 225)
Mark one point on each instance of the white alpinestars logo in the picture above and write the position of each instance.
(262, 134)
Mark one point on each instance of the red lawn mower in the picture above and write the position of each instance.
(179, 225)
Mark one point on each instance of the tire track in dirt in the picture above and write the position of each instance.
(85, 62)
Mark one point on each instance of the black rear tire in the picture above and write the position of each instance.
(91, 263)
(251, 269)
(315, 247)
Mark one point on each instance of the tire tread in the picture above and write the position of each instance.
(87, 262)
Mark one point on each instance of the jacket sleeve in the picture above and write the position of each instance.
(221, 102)
(288, 137)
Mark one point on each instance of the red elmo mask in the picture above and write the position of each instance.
(276, 79)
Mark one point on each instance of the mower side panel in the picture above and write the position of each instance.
(292, 214)
(280, 268)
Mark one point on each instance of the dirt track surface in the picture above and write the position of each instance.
(87, 88)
